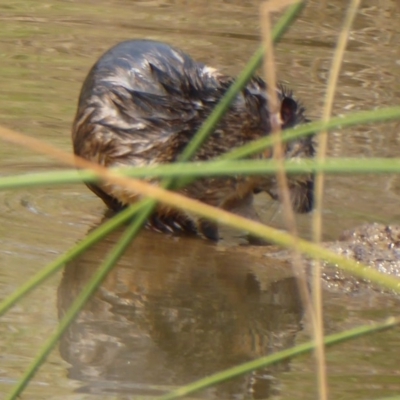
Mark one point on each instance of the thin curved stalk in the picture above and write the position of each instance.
(362, 117)
(337, 60)
(210, 168)
(145, 206)
(91, 239)
(79, 303)
(279, 29)
(146, 209)
(277, 357)
(178, 169)
(275, 120)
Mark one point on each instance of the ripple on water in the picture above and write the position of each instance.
(37, 223)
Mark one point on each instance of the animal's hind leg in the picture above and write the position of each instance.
(180, 223)
(174, 222)
(110, 202)
(208, 228)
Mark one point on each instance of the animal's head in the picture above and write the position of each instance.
(301, 186)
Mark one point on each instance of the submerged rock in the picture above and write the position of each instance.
(375, 245)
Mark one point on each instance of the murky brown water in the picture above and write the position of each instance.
(174, 309)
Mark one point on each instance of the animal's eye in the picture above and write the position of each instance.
(288, 110)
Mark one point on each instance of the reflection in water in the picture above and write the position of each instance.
(173, 311)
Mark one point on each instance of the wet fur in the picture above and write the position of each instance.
(141, 104)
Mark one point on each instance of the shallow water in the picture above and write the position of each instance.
(177, 309)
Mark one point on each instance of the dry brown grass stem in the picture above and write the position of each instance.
(176, 200)
(319, 189)
(274, 108)
(138, 186)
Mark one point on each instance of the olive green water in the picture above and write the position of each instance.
(177, 309)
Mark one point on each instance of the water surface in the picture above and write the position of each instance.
(177, 309)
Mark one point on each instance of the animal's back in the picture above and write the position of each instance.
(129, 65)
(142, 102)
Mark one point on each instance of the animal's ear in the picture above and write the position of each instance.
(288, 111)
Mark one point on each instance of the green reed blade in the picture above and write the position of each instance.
(146, 208)
(362, 117)
(95, 236)
(211, 168)
(257, 146)
(220, 109)
(91, 239)
(80, 301)
(277, 357)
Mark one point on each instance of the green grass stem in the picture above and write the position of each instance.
(79, 302)
(91, 239)
(243, 78)
(210, 168)
(277, 357)
(195, 169)
(146, 208)
(357, 118)
(108, 227)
